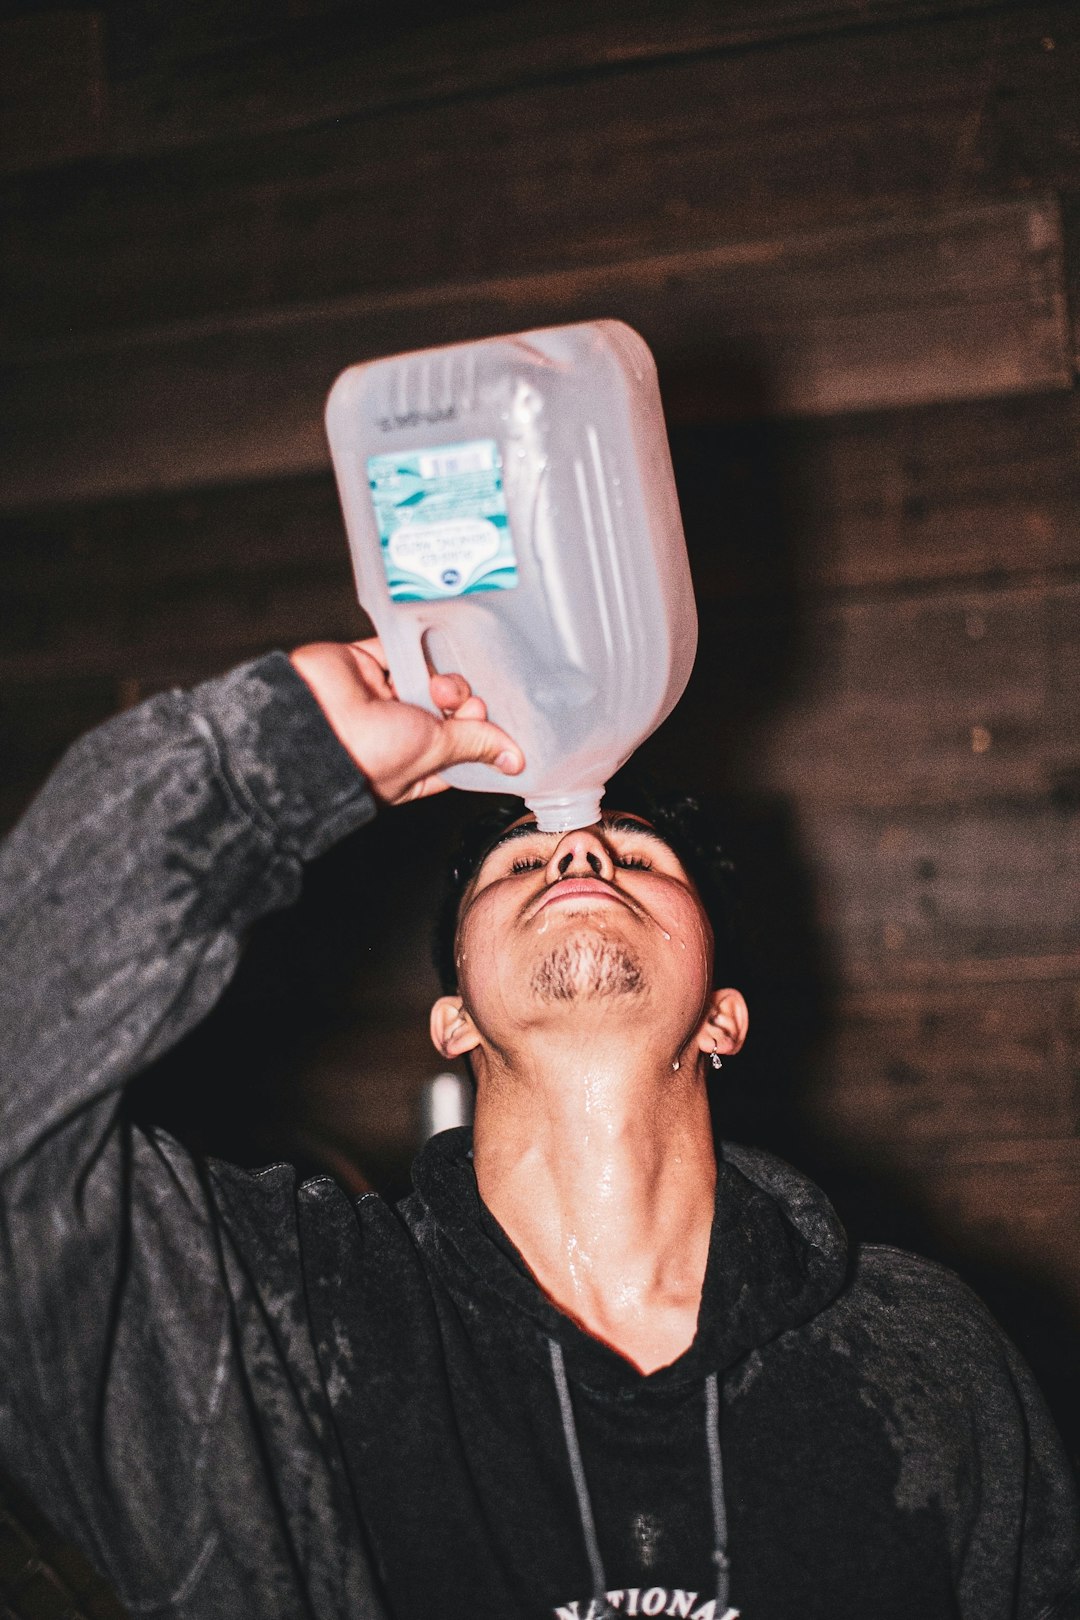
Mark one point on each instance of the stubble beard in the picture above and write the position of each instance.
(587, 967)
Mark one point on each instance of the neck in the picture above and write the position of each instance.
(596, 1158)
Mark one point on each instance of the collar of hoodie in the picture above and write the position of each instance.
(777, 1256)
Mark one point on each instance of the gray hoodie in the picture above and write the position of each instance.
(241, 1396)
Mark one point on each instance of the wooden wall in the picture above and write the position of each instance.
(850, 232)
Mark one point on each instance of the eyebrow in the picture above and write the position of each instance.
(615, 823)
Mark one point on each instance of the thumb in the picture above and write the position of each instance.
(466, 742)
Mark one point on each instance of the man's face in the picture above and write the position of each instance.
(604, 919)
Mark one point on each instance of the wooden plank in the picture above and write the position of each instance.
(890, 312)
(946, 697)
(146, 631)
(38, 720)
(918, 1073)
(903, 895)
(983, 490)
(194, 91)
(120, 546)
(52, 88)
(715, 147)
(836, 898)
(963, 491)
(935, 698)
(929, 699)
(1017, 1213)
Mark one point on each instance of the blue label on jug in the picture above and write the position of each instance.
(442, 521)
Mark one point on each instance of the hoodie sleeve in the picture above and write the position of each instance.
(1047, 1515)
(972, 1433)
(125, 894)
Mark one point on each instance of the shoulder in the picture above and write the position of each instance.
(893, 1281)
(276, 1207)
(913, 1323)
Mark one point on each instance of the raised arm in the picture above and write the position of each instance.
(126, 892)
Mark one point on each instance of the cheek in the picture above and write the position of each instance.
(478, 953)
(691, 940)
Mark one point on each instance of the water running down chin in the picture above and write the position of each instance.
(587, 967)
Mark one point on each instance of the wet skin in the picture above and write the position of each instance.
(618, 882)
(593, 1143)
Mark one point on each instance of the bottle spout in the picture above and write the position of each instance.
(563, 812)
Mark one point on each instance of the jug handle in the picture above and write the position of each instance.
(410, 668)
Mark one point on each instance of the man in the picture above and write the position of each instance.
(585, 1368)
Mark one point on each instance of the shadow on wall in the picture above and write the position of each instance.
(317, 1051)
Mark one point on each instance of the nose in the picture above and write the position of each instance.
(582, 853)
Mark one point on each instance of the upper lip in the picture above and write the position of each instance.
(579, 885)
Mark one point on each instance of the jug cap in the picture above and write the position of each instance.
(563, 812)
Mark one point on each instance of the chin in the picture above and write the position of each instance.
(590, 965)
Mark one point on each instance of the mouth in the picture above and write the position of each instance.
(577, 889)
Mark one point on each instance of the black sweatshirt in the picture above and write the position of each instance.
(244, 1397)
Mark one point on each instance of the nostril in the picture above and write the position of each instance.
(594, 861)
(565, 862)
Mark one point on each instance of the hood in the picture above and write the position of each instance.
(777, 1256)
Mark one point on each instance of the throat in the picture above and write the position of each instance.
(649, 1338)
(611, 1211)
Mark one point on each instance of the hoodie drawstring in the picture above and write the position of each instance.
(716, 1483)
(584, 1501)
(577, 1469)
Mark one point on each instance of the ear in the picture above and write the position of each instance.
(723, 1030)
(453, 1032)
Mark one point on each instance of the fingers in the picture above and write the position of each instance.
(474, 708)
(449, 692)
(367, 656)
(373, 646)
(474, 741)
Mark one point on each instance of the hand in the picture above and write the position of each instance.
(399, 747)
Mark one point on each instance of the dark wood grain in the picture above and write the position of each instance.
(962, 303)
(874, 502)
(942, 1069)
(171, 91)
(1013, 1210)
(934, 698)
(52, 87)
(660, 157)
(151, 630)
(880, 502)
(903, 894)
(869, 207)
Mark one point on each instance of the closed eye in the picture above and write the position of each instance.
(528, 863)
(533, 863)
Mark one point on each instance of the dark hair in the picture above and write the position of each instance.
(691, 831)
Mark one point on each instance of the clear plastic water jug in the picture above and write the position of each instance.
(512, 515)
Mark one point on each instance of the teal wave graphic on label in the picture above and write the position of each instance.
(442, 520)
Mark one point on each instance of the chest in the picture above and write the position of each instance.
(463, 1465)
